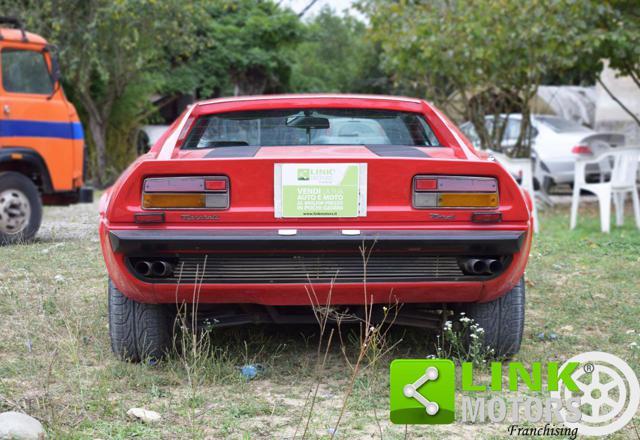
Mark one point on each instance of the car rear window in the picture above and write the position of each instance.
(310, 127)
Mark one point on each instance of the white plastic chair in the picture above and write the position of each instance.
(523, 168)
(623, 181)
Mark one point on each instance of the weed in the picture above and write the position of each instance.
(462, 340)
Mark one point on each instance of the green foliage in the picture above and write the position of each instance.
(336, 55)
(112, 55)
(115, 55)
(489, 55)
(240, 48)
(614, 35)
(462, 340)
(619, 35)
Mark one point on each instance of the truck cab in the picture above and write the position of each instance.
(42, 147)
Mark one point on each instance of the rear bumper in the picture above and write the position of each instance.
(122, 244)
(451, 242)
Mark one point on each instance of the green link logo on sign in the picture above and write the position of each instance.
(422, 391)
(303, 174)
(320, 190)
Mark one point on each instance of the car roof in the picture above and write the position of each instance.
(268, 102)
(310, 96)
(10, 34)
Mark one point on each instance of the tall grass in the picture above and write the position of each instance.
(371, 344)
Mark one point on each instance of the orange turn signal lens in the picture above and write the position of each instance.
(160, 200)
(468, 200)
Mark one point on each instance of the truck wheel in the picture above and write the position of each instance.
(20, 208)
(139, 332)
(502, 320)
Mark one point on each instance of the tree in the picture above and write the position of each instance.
(241, 48)
(336, 55)
(615, 36)
(490, 55)
(116, 54)
(106, 48)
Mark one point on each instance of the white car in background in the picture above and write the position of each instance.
(149, 135)
(556, 143)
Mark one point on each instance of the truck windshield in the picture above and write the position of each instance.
(310, 127)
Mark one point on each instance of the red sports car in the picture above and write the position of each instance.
(258, 208)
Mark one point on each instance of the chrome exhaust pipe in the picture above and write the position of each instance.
(161, 269)
(475, 266)
(143, 268)
(493, 266)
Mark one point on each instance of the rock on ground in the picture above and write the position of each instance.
(19, 426)
(145, 415)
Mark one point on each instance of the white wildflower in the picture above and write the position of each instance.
(473, 335)
(629, 332)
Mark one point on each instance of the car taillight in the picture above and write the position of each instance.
(454, 192)
(426, 184)
(206, 192)
(582, 149)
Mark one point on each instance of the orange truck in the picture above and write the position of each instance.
(42, 148)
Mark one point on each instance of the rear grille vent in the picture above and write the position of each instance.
(304, 268)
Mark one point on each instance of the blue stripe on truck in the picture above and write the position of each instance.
(26, 128)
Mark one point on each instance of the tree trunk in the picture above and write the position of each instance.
(98, 122)
(98, 132)
(250, 82)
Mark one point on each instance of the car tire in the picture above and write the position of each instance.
(138, 331)
(502, 320)
(20, 208)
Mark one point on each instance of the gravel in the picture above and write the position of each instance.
(74, 222)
